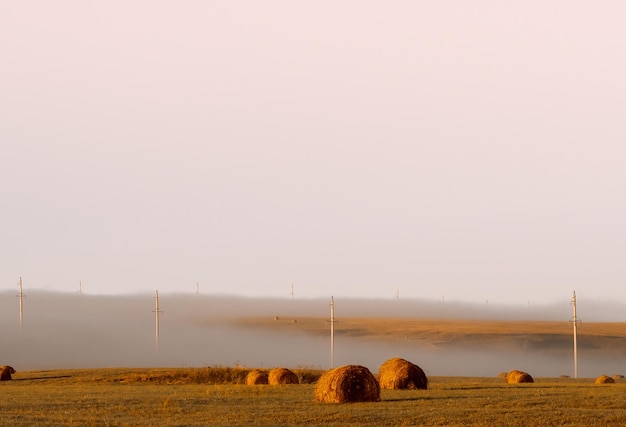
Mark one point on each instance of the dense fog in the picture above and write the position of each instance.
(62, 330)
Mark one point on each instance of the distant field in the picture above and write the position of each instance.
(399, 328)
(441, 332)
(214, 396)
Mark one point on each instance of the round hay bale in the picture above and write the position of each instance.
(347, 384)
(518, 377)
(503, 375)
(400, 374)
(5, 372)
(603, 379)
(282, 376)
(256, 377)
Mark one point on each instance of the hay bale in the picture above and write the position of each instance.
(518, 377)
(347, 384)
(604, 379)
(282, 376)
(256, 377)
(401, 374)
(503, 375)
(617, 376)
(5, 372)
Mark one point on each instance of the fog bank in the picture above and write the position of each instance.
(89, 331)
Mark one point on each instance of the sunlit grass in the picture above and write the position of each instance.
(189, 396)
(438, 329)
(205, 375)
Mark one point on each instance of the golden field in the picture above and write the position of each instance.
(442, 332)
(216, 396)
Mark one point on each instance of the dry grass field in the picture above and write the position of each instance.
(217, 396)
(443, 332)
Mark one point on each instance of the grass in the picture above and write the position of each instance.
(608, 336)
(216, 396)
(445, 329)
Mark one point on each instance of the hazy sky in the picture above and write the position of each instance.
(466, 150)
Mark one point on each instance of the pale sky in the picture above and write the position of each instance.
(466, 150)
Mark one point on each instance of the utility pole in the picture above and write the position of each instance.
(156, 312)
(332, 332)
(397, 294)
(291, 291)
(575, 321)
(21, 297)
(197, 288)
(80, 287)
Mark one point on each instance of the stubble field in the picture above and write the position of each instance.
(216, 396)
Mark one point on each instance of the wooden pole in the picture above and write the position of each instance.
(156, 315)
(575, 322)
(332, 332)
(21, 296)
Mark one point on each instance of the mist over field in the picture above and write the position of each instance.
(63, 330)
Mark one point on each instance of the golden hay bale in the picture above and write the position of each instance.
(603, 379)
(503, 375)
(398, 373)
(517, 377)
(282, 376)
(5, 372)
(255, 377)
(347, 384)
